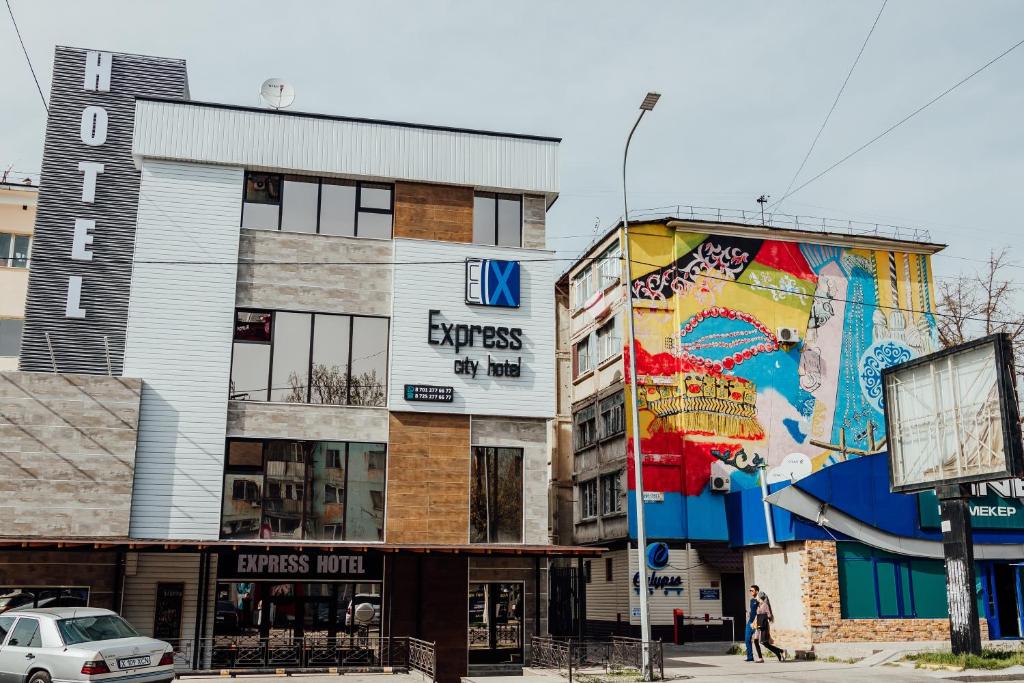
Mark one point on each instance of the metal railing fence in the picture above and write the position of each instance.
(571, 656)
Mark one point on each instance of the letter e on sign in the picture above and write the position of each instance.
(82, 239)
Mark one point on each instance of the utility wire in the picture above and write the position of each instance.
(834, 102)
(905, 119)
(27, 59)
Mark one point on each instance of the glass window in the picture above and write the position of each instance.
(313, 490)
(510, 220)
(10, 337)
(611, 493)
(91, 629)
(301, 197)
(369, 362)
(20, 254)
(609, 566)
(374, 224)
(338, 207)
(585, 427)
(498, 219)
(610, 266)
(584, 359)
(485, 218)
(364, 506)
(330, 359)
(875, 584)
(262, 206)
(5, 626)
(283, 501)
(613, 415)
(588, 499)
(5, 248)
(325, 517)
(348, 364)
(250, 372)
(25, 633)
(374, 196)
(496, 495)
(289, 381)
(15, 597)
(253, 326)
(608, 341)
(583, 287)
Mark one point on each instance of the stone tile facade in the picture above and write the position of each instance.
(532, 436)
(428, 479)
(434, 212)
(281, 270)
(534, 210)
(308, 422)
(67, 447)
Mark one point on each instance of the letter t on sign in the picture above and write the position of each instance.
(91, 169)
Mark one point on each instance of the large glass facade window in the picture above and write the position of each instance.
(310, 358)
(495, 623)
(498, 219)
(323, 490)
(14, 250)
(328, 206)
(496, 495)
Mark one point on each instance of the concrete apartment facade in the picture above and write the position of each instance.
(17, 219)
(318, 349)
(759, 352)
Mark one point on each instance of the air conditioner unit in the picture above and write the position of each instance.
(788, 335)
(721, 478)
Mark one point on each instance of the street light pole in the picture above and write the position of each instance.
(641, 534)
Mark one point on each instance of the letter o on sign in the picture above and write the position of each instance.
(94, 126)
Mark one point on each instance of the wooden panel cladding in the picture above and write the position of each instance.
(434, 212)
(428, 479)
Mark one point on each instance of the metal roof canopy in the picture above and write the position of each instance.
(195, 545)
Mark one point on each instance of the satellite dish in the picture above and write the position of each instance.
(277, 93)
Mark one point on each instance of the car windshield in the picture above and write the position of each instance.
(90, 629)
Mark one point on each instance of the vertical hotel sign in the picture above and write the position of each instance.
(93, 132)
(76, 310)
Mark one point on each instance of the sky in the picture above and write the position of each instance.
(745, 86)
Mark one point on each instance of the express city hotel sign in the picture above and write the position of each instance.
(488, 314)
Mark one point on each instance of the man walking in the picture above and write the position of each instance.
(748, 632)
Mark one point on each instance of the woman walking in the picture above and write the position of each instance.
(762, 629)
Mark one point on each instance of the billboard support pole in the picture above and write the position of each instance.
(958, 548)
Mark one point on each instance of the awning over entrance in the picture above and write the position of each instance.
(196, 545)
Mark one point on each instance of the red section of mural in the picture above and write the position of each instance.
(678, 465)
(785, 256)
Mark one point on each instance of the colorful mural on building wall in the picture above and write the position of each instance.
(722, 393)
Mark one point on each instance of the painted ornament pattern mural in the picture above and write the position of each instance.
(720, 394)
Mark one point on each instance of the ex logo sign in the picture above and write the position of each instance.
(490, 282)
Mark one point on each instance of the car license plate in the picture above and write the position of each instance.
(132, 662)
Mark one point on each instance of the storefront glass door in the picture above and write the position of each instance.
(495, 623)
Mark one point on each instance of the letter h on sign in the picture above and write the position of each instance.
(490, 282)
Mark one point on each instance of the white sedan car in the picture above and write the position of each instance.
(62, 644)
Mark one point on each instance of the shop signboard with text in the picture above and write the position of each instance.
(995, 505)
(477, 321)
(310, 564)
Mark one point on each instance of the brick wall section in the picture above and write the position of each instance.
(67, 453)
(434, 212)
(274, 273)
(428, 479)
(820, 590)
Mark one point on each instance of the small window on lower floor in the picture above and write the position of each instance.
(588, 499)
(10, 336)
(609, 569)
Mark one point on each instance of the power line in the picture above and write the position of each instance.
(906, 118)
(27, 58)
(834, 103)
